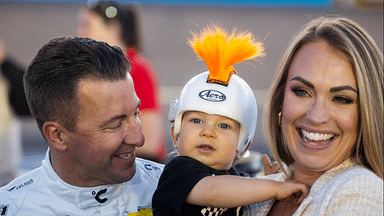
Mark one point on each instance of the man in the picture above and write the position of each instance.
(82, 97)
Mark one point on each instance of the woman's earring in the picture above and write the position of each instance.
(279, 119)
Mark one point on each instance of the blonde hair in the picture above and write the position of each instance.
(367, 62)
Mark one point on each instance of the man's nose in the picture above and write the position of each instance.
(134, 133)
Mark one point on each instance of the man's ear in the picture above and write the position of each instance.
(241, 154)
(54, 134)
(175, 139)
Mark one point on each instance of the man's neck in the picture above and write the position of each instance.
(68, 174)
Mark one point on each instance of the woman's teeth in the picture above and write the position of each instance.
(125, 156)
(315, 136)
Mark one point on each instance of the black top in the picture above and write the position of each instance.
(13, 72)
(179, 177)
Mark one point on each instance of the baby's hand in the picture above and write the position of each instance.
(292, 192)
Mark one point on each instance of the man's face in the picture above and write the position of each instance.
(102, 149)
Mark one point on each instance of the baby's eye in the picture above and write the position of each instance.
(300, 92)
(224, 126)
(197, 121)
(343, 100)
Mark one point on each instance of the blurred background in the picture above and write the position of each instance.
(165, 27)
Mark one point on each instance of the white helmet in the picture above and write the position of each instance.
(220, 91)
(235, 101)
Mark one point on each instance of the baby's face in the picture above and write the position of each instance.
(211, 139)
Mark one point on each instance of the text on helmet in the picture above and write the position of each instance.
(212, 95)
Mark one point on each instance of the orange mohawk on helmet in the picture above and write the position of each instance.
(220, 52)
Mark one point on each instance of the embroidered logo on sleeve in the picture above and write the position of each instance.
(151, 167)
(29, 182)
(3, 209)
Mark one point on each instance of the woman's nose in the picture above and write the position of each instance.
(318, 112)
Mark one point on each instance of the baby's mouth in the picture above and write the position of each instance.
(206, 147)
(125, 156)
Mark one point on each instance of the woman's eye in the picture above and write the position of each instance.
(197, 121)
(343, 100)
(224, 126)
(300, 92)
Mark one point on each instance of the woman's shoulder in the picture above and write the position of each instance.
(358, 173)
(356, 190)
(347, 173)
(356, 184)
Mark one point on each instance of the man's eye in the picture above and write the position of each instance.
(115, 126)
(224, 126)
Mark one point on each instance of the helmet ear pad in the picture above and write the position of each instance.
(239, 154)
(175, 138)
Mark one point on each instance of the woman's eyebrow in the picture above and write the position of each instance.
(341, 88)
(304, 81)
(334, 89)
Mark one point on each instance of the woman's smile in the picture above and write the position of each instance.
(315, 140)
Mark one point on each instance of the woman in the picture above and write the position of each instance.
(117, 25)
(325, 120)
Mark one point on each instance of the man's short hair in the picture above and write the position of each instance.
(51, 80)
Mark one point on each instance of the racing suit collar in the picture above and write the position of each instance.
(83, 197)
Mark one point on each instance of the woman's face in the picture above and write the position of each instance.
(320, 108)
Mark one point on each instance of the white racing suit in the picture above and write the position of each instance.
(42, 192)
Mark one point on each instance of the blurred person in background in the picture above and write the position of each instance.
(117, 25)
(13, 105)
(13, 73)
